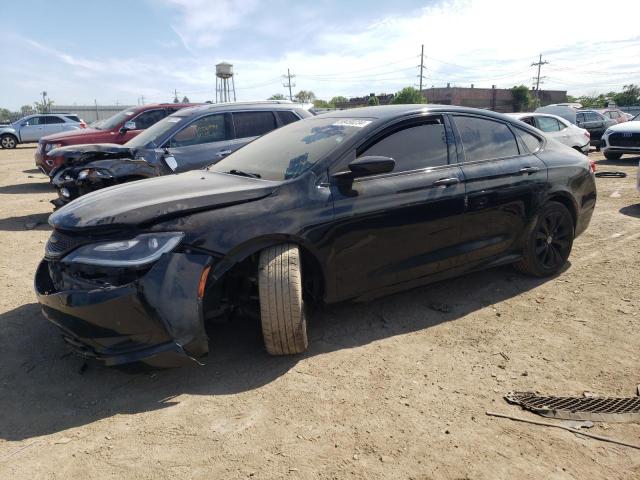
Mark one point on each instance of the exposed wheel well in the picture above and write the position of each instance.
(237, 290)
(10, 135)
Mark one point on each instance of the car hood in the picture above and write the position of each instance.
(626, 127)
(78, 154)
(71, 134)
(156, 199)
(7, 128)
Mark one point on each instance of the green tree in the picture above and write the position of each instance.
(373, 101)
(43, 106)
(339, 100)
(521, 98)
(277, 96)
(305, 96)
(630, 95)
(5, 115)
(408, 95)
(321, 104)
(185, 99)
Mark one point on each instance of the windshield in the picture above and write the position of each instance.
(115, 120)
(290, 151)
(151, 135)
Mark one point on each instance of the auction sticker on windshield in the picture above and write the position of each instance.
(351, 123)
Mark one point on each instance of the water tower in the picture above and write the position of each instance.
(224, 72)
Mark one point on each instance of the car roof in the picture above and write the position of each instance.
(234, 106)
(386, 112)
(537, 114)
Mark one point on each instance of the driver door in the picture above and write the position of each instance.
(33, 129)
(403, 225)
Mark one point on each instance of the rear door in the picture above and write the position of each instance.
(202, 142)
(54, 124)
(400, 226)
(595, 123)
(503, 179)
(248, 126)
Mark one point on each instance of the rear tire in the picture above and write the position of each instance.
(549, 242)
(282, 311)
(612, 156)
(8, 141)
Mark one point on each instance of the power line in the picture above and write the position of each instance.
(538, 64)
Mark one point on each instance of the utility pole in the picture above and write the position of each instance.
(421, 67)
(288, 85)
(175, 96)
(97, 115)
(142, 99)
(538, 64)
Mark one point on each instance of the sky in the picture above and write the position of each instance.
(117, 51)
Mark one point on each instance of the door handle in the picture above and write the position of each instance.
(528, 170)
(447, 181)
(222, 153)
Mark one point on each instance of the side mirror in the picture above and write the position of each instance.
(170, 161)
(364, 166)
(129, 125)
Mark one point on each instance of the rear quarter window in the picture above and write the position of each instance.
(485, 139)
(532, 142)
(253, 124)
(287, 117)
(73, 118)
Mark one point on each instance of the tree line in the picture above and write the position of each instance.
(404, 96)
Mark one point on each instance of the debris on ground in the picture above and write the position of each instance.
(588, 407)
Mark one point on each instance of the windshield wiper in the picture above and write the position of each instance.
(244, 174)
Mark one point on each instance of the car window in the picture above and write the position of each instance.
(148, 118)
(73, 118)
(35, 121)
(287, 117)
(253, 124)
(532, 142)
(204, 130)
(414, 147)
(614, 115)
(580, 117)
(485, 139)
(593, 117)
(52, 120)
(548, 124)
(528, 120)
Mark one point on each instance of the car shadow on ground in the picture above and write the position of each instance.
(46, 389)
(32, 187)
(35, 221)
(625, 161)
(32, 170)
(631, 210)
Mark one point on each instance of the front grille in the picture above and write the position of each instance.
(625, 139)
(60, 243)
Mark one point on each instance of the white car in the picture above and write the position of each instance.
(557, 128)
(621, 138)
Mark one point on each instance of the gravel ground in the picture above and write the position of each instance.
(390, 389)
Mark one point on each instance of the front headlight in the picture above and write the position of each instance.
(136, 252)
(50, 146)
(94, 173)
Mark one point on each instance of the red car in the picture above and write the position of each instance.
(119, 129)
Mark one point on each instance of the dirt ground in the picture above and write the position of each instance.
(389, 389)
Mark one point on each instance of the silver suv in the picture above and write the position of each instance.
(33, 127)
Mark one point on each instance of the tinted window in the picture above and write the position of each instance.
(531, 141)
(51, 120)
(73, 118)
(548, 124)
(253, 124)
(414, 147)
(287, 117)
(580, 117)
(485, 139)
(593, 117)
(148, 118)
(36, 121)
(528, 120)
(204, 130)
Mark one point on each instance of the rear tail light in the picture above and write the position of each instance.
(592, 165)
(83, 124)
(587, 134)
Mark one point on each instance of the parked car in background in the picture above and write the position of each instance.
(351, 204)
(558, 128)
(614, 114)
(622, 139)
(595, 123)
(33, 127)
(118, 129)
(186, 140)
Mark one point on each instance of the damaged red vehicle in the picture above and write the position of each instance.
(119, 129)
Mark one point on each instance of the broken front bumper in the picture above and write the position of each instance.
(156, 319)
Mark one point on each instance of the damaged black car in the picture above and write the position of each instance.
(348, 205)
(189, 139)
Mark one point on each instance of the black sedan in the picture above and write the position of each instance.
(347, 205)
